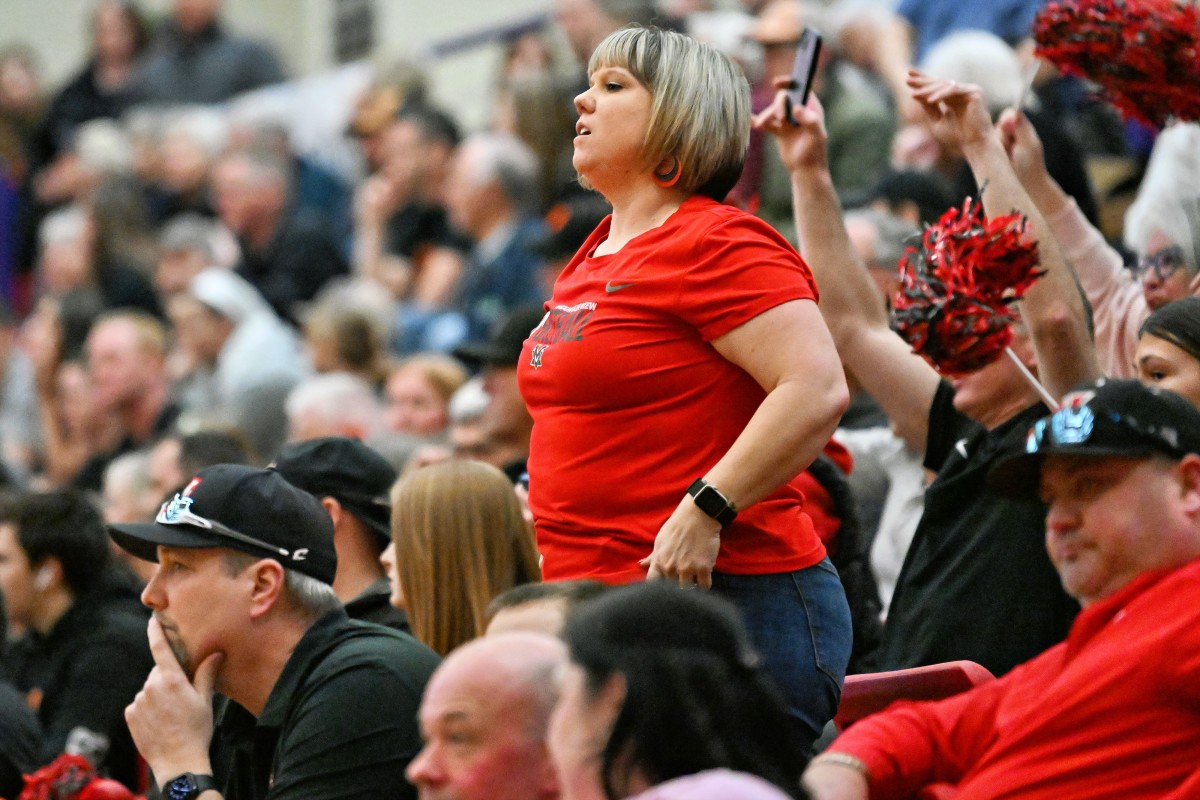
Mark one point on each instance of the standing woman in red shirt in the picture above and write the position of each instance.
(682, 376)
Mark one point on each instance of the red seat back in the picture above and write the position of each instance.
(873, 691)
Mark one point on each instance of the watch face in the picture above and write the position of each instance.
(181, 788)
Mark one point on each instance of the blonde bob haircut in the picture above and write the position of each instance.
(461, 539)
(700, 111)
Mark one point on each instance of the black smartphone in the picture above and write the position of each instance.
(808, 50)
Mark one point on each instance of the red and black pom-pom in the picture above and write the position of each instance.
(71, 777)
(1144, 54)
(952, 306)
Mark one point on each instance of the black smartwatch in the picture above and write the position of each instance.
(188, 786)
(709, 500)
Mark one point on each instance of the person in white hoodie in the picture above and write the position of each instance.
(242, 359)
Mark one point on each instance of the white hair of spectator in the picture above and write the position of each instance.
(188, 231)
(103, 146)
(981, 58)
(507, 160)
(202, 126)
(358, 296)
(1168, 199)
(337, 398)
(468, 402)
(128, 471)
(67, 224)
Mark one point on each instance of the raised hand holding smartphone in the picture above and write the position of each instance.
(803, 70)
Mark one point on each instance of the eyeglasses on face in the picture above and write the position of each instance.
(1165, 263)
(178, 512)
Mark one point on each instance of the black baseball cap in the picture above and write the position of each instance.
(251, 510)
(569, 224)
(1122, 418)
(503, 349)
(346, 469)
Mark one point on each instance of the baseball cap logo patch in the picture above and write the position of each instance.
(1073, 425)
(175, 511)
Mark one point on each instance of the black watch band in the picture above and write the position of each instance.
(187, 786)
(709, 500)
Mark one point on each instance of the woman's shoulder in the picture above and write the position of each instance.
(715, 784)
(705, 215)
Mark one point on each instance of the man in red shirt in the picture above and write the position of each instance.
(1114, 711)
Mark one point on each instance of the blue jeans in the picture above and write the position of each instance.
(800, 623)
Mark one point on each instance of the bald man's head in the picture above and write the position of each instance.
(492, 699)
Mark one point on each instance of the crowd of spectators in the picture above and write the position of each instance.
(184, 284)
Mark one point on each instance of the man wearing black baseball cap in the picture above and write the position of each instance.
(319, 705)
(1118, 703)
(352, 482)
(506, 421)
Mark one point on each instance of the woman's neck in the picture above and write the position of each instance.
(636, 213)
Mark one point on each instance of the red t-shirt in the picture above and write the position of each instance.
(631, 403)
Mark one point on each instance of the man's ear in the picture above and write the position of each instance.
(333, 508)
(267, 576)
(1189, 484)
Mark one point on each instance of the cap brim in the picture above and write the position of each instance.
(477, 353)
(143, 539)
(1019, 477)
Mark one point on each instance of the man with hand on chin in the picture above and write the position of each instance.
(317, 705)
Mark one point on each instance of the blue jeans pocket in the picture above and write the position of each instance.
(800, 623)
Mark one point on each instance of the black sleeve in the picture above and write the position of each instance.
(947, 426)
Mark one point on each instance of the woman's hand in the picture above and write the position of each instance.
(803, 143)
(686, 547)
(1022, 144)
(956, 112)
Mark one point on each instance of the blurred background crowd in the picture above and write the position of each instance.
(196, 234)
(230, 227)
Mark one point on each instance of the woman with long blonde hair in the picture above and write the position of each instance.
(458, 540)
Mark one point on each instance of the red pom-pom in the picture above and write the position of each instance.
(955, 291)
(1144, 54)
(61, 779)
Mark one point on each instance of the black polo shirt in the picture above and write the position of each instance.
(976, 583)
(80, 677)
(341, 721)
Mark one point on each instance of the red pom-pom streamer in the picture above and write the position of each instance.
(61, 779)
(1144, 54)
(953, 302)
(71, 777)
